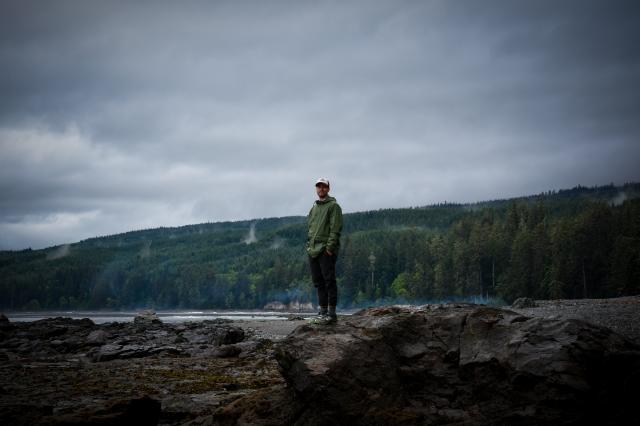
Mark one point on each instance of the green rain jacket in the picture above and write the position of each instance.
(325, 225)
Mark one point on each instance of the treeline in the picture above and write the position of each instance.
(583, 242)
(594, 254)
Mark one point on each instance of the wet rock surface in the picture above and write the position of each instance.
(65, 371)
(620, 314)
(58, 338)
(523, 302)
(147, 317)
(435, 364)
(455, 364)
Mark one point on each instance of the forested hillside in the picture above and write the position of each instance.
(582, 242)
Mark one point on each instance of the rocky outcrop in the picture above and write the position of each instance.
(450, 364)
(64, 371)
(61, 338)
(4, 321)
(5, 326)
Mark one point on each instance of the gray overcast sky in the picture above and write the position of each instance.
(117, 116)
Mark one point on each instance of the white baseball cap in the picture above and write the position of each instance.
(323, 180)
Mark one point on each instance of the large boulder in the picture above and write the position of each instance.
(456, 364)
(213, 334)
(4, 321)
(5, 326)
(146, 317)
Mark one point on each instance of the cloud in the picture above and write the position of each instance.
(119, 117)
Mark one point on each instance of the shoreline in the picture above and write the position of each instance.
(169, 317)
(621, 314)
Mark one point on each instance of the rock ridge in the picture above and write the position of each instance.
(450, 364)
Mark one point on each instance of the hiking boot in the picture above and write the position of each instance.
(320, 320)
(322, 314)
(332, 317)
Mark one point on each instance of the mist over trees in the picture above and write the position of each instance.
(577, 243)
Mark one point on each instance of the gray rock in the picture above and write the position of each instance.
(180, 339)
(73, 343)
(523, 302)
(110, 351)
(217, 321)
(146, 317)
(4, 322)
(107, 352)
(215, 335)
(228, 335)
(251, 347)
(97, 337)
(226, 351)
(60, 338)
(197, 337)
(451, 364)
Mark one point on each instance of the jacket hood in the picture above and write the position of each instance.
(326, 200)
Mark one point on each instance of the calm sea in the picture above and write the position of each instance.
(100, 317)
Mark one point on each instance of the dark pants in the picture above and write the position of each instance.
(323, 274)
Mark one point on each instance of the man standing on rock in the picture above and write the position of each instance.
(323, 242)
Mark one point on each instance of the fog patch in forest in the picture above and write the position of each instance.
(146, 250)
(619, 199)
(295, 295)
(59, 252)
(301, 295)
(476, 207)
(277, 243)
(251, 236)
(477, 300)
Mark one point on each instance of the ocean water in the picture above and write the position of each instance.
(101, 317)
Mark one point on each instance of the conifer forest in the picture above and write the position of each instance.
(576, 243)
